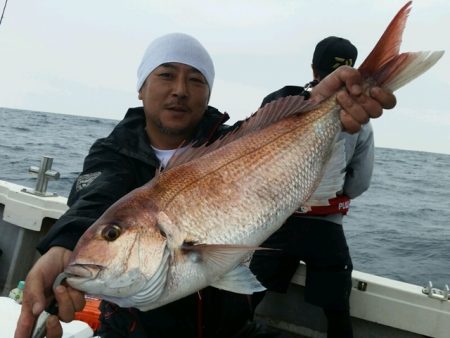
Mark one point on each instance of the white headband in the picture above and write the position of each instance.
(176, 47)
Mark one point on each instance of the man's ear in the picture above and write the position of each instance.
(140, 95)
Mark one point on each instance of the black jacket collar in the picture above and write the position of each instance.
(129, 136)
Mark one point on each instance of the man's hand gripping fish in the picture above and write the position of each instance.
(193, 224)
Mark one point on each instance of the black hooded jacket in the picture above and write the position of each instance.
(115, 166)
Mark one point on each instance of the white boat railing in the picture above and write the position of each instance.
(24, 219)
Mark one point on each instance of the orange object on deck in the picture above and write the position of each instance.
(91, 313)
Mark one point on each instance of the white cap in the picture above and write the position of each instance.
(176, 47)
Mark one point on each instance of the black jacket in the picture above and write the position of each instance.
(283, 92)
(114, 166)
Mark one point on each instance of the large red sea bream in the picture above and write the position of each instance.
(193, 224)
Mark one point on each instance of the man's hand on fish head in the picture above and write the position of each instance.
(358, 106)
(38, 294)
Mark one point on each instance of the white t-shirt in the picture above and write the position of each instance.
(165, 155)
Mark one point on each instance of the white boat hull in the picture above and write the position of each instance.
(380, 307)
(386, 308)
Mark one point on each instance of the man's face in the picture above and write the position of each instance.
(175, 97)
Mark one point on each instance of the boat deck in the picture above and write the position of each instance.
(259, 329)
(285, 334)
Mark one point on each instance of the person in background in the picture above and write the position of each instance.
(175, 79)
(317, 236)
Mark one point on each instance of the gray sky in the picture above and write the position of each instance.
(80, 57)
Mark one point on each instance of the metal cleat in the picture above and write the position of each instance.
(435, 293)
(44, 174)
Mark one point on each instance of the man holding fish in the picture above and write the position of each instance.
(175, 80)
(316, 236)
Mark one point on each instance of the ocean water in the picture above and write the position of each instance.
(399, 228)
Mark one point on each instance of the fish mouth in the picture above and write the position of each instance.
(84, 271)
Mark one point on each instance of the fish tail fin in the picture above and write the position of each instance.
(389, 69)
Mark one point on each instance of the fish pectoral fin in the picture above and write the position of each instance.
(239, 280)
(219, 255)
(332, 180)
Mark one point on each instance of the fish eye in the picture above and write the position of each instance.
(162, 233)
(111, 232)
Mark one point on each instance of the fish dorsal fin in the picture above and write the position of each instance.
(158, 172)
(239, 280)
(332, 180)
(264, 117)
